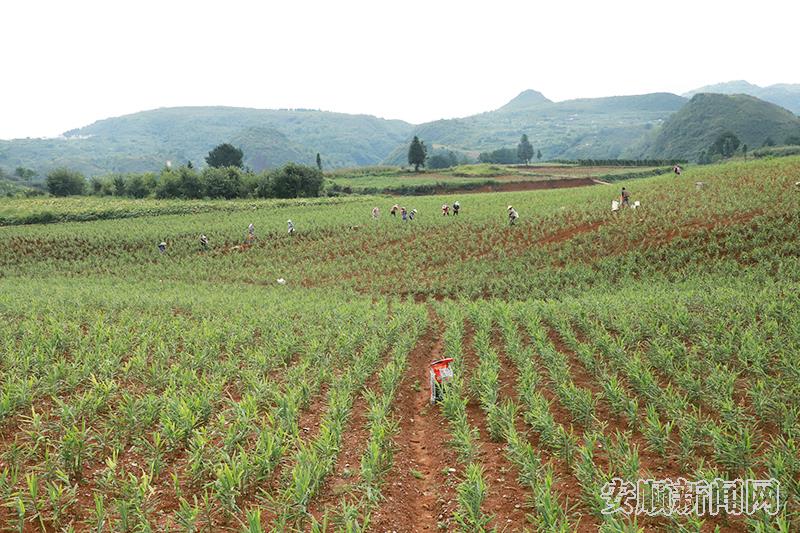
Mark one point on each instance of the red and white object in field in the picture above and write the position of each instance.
(441, 373)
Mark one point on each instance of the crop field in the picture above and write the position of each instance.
(191, 391)
(478, 177)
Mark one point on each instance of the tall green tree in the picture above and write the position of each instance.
(119, 185)
(222, 182)
(539, 154)
(524, 150)
(296, 181)
(135, 186)
(225, 155)
(417, 153)
(744, 151)
(65, 182)
(319, 161)
(191, 186)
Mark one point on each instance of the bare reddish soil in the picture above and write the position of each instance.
(419, 490)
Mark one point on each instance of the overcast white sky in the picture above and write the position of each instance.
(67, 63)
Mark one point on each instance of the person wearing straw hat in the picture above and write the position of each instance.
(291, 226)
(203, 241)
(512, 215)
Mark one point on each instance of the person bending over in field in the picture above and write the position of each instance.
(677, 170)
(412, 214)
(512, 216)
(445, 210)
(393, 212)
(456, 207)
(251, 232)
(291, 226)
(203, 241)
(376, 212)
(162, 246)
(625, 198)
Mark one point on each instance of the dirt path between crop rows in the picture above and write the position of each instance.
(420, 488)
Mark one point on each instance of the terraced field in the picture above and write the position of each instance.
(189, 391)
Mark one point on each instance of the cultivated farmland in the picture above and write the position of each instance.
(482, 178)
(189, 391)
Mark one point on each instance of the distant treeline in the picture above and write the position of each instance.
(290, 181)
(621, 162)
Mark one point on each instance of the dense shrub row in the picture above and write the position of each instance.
(290, 181)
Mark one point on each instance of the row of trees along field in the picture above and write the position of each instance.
(224, 177)
(418, 155)
(728, 145)
(508, 156)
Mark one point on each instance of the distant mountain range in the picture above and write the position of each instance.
(696, 125)
(650, 125)
(583, 128)
(783, 94)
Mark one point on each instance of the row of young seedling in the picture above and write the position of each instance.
(577, 452)
(473, 488)
(140, 441)
(314, 460)
(548, 513)
(354, 511)
(733, 447)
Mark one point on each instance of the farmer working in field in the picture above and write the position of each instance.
(251, 232)
(376, 212)
(404, 213)
(291, 226)
(203, 241)
(456, 207)
(677, 170)
(445, 210)
(162, 246)
(624, 198)
(412, 214)
(512, 215)
(393, 212)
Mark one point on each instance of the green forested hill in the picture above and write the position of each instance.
(145, 141)
(599, 128)
(697, 125)
(583, 128)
